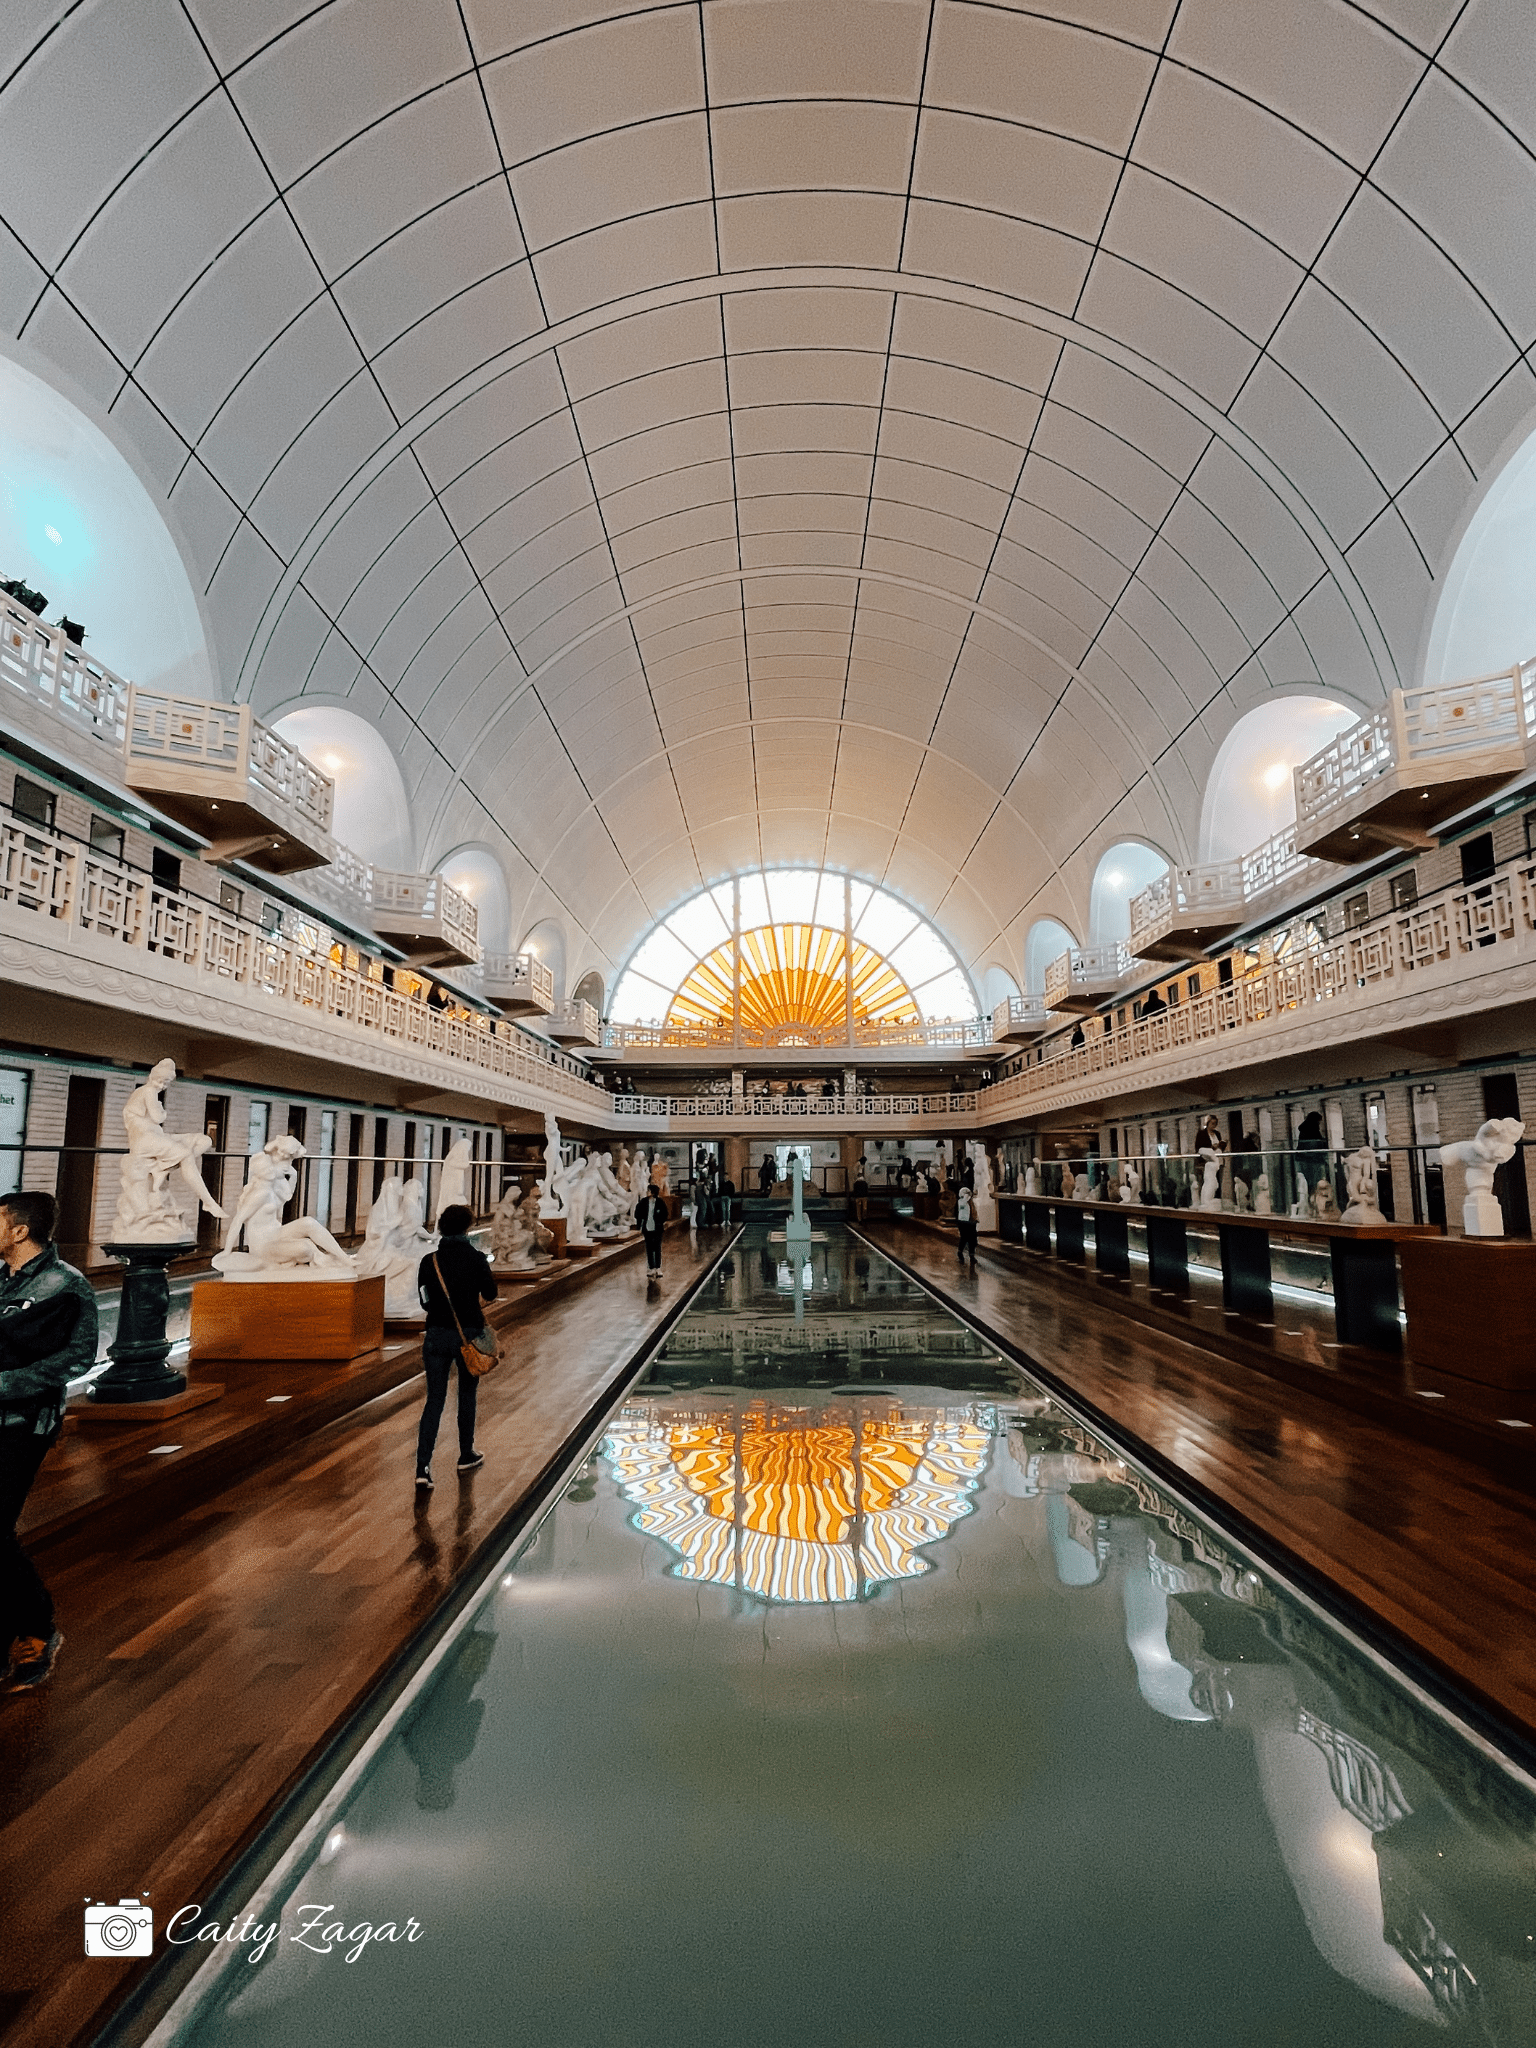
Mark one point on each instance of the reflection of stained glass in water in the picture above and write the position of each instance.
(775, 1503)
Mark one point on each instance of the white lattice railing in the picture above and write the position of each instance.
(826, 1109)
(1422, 947)
(939, 1035)
(426, 903)
(42, 664)
(1086, 970)
(518, 977)
(58, 880)
(225, 745)
(1223, 892)
(1020, 1015)
(1442, 731)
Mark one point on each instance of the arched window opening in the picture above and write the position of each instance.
(1250, 795)
(476, 873)
(372, 815)
(1125, 870)
(1485, 619)
(1047, 941)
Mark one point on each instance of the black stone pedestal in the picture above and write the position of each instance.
(138, 1371)
(1365, 1302)
(1247, 1286)
(1112, 1242)
(1037, 1224)
(1069, 1233)
(1168, 1254)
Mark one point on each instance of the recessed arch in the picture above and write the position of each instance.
(1046, 940)
(1484, 617)
(373, 813)
(1249, 794)
(1124, 870)
(475, 872)
(546, 942)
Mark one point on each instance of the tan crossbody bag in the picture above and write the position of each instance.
(481, 1353)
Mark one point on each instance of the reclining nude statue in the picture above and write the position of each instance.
(275, 1250)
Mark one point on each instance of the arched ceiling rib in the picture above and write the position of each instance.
(894, 435)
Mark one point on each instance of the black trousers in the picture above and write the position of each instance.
(439, 1355)
(26, 1605)
(968, 1242)
(653, 1250)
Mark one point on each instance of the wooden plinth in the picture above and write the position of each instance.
(1471, 1304)
(519, 1274)
(145, 1411)
(322, 1319)
(580, 1251)
(555, 1225)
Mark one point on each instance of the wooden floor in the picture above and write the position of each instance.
(1432, 1543)
(211, 1658)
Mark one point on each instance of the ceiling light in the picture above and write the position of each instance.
(1275, 774)
(52, 533)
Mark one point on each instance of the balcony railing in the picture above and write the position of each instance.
(58, 881)
(1081, 979)
(1188, 910)
(43, 666)
(518, 983)
(218, 769)
(1389, 780)
(970, 1034)
(1433, 945)
(823, 1109)
(574, 1023)
(425, 916)
(1020, 1017)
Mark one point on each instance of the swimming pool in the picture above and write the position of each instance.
(856, 1692)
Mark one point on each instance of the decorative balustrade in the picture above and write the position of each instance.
(1020, 1017)
(518, 983)
(823, 1109)
(41, 665)
(425, 916)
(970, 1034)
(1426, 754)
(219, 770)
(60, 882)
(1186, 911)
(1427, 946)
(1081, 979)
(573, 1023)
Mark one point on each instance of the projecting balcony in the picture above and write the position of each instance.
(1086, 977)
(1020, 1018)
(426, 917)
(519, 984)
(572, 1024)
(219, 770)
(1186, 910)
(1396, 777)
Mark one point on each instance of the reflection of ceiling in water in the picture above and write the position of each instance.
(798, 1504)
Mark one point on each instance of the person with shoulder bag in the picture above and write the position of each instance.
(451, 1283)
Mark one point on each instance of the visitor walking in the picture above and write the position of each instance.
(464, 1272)
(965, 1216)
(47, 1338)
(652, 1218)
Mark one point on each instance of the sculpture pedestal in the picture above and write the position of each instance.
(1482, 1215)
(519, 1274)
(323, 1319)
(1471, 1307)
(580, 1251)
(555, 1225)
(149, 1411)
(138, 1373)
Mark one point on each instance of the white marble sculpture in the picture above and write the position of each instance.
(1360, 1181)
(145, 1212)
(984, 1204)
(572, 1188)
(1324, 1207)
(1242, 1201)
(275, 1250)
(1261, 1196)
(518, 1239)
(454, 1181)
(1031, 1181)
(1082, 1188)
(549, 1201)
(1494, 1145)
(617, 1202)
(639, 1177)
(394, 1243)
(1130, 1184)
(1210, 1183)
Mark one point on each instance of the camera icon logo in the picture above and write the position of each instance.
(126, 1929)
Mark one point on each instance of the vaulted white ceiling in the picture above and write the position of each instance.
(897, 435)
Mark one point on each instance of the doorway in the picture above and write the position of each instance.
(216, 1129)
(77, 1165)
(1501, 1097)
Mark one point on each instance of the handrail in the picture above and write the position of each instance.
(51, 874)
(939, 1035)
(1291, 976)
(790, 1108)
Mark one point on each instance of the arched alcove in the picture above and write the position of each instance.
(1047, 940)
(373, 812)
(1124, 871)
(546, 942)
(78, 525)
(476, 873)
(1485, 618)
(590, 990)
(997, 984)
(1250, 795)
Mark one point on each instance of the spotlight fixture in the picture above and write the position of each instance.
(33, 600)
(73, 631)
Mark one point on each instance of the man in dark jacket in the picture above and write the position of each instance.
(651, 1215)
(47, 1339)
(466, 1274)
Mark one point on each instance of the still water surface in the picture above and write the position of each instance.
(855, 1695)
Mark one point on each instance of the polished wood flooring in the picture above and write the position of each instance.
(212, 1655)
(1429, 1542)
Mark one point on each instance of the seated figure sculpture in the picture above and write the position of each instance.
(1324, 1207)
(275, 1250)
(145, 1212)
(1360, 1181)
(519, 1240)
(395, 1243)
(453, 1187)
(1130, 1185)
(1481, 1213)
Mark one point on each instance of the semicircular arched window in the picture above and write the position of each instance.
(816, 951)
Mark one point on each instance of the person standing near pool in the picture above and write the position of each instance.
(965, 1216)
(451, 1284)
(651, 1215)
